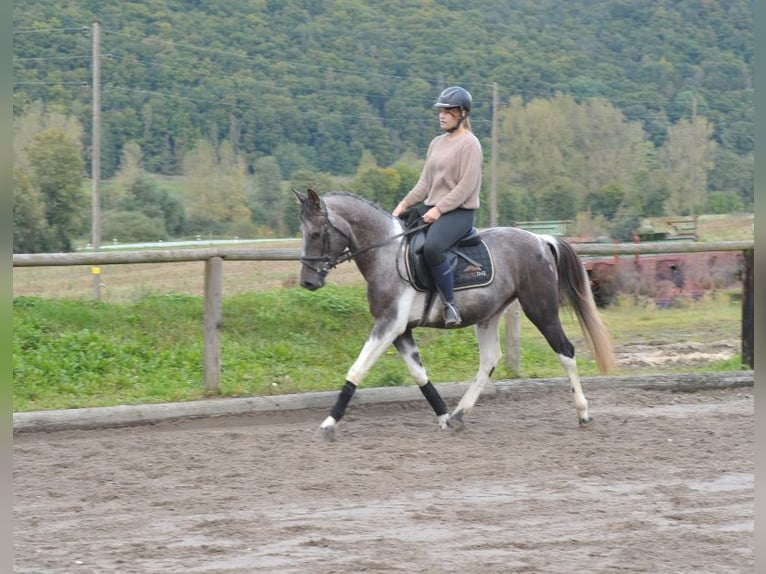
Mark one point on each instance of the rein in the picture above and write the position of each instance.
(329, 262)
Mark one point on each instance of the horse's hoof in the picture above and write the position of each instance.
(444, 422)
(456, 422)
(586, 422)
(327, 434)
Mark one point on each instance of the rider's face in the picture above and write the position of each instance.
(449, 118)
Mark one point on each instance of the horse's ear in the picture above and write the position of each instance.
(301, 197)
(316, 203)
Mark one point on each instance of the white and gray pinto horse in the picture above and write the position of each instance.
(539, 271)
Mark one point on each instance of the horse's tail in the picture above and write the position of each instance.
(574, 289)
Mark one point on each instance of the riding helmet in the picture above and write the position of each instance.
(455, 97)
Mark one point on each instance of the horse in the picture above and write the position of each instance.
(540, 271)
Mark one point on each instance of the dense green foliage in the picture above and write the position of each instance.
(324, 80)
(69, 354)
(648, 102)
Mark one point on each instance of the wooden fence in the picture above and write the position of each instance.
(214, 258)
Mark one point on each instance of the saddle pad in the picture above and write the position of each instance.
(473, 267)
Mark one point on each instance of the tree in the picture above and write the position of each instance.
(605, 201)
(135, 191)
(30, 229)
(217, 184)
(49, 204)
(56, 169)
(36, 118)
(687, 156)
(292, 157)
(557, 201)
(378, 184)
(687, 104)
(408, 177)
(624, 226)
(319, 182)
(128, 173)
(589, 145)
(612, 150)
(268, 200)
(733, 173)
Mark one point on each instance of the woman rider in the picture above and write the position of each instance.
(449, 188)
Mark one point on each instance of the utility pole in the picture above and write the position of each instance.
(96, 157)
(692, 159)
(493, 162)
(513, 312)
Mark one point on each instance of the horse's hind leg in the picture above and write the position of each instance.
(408, 350)
(544, 315)
(487, 334)
(581, 403)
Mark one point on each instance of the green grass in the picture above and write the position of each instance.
(80, 353)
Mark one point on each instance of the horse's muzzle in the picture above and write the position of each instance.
(312, 284)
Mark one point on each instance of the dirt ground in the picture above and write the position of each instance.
(663, 482)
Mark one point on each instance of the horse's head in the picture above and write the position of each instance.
(325, 238)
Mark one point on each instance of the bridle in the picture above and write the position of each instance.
(329, 262)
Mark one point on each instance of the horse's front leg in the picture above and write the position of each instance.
(408, 350)
(381, 337)
(488, 336)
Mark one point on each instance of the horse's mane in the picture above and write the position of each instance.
(359, 198)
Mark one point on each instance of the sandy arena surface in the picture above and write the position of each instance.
(663, 482)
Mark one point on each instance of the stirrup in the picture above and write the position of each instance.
(451, 316)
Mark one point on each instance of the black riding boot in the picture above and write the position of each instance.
(445, 285)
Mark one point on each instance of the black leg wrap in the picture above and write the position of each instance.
(346, 393)
(434, 399)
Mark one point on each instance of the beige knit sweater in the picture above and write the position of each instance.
(451, 176)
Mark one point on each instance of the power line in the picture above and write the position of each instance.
(83, 84)
(46, 58)
(81, 29)
(175, 96)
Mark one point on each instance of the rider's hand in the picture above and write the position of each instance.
(399, 209)
(432, 215)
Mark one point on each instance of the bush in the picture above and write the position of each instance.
(132, 226)
(724, 202)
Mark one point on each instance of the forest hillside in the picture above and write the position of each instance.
(329, 86)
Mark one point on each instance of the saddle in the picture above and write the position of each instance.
(470, 261)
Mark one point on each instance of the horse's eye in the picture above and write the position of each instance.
(314, 235)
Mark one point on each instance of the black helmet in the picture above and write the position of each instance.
(455, 97)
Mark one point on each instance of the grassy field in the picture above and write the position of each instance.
(79, 353)
(725, 227)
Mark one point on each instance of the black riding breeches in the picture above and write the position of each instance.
(445, 232)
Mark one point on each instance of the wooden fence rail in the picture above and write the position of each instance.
(214, 258)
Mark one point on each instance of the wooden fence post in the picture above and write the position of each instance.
(513, 337)
(212, 324)
(747, 311)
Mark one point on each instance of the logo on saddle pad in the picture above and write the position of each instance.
(470, 260)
